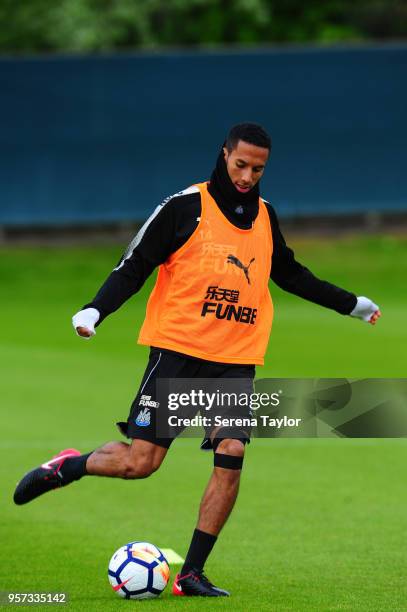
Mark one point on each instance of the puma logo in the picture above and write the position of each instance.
(235, 261)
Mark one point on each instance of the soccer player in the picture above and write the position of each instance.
(209, 316)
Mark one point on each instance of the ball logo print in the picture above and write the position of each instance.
(138, 570)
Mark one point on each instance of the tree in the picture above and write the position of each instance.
(89, 26)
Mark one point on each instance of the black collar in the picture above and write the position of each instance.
(240, 208)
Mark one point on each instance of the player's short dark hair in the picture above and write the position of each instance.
(253, 133)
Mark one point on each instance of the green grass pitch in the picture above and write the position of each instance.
(319, 524)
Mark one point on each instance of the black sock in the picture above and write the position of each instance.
(199, 550)
(74, 468)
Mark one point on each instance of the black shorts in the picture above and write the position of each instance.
(150, 406)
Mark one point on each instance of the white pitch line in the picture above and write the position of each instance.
(171, 555)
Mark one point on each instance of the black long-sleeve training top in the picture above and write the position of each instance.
(170, 226)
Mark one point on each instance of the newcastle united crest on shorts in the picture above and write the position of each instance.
(143, 418)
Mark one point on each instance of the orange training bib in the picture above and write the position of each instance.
(211, 299)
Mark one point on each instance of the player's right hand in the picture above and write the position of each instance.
(84, 322)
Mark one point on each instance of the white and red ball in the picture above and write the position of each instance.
(138, 570)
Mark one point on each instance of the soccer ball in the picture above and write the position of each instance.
(138, 570)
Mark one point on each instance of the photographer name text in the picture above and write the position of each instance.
(254, 421)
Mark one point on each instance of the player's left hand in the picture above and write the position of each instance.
(366, 310)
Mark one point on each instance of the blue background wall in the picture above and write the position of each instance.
(107, 138)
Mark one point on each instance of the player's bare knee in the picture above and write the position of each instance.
(133, 471)
(229, 446)
(139, 466)
(142, 459)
